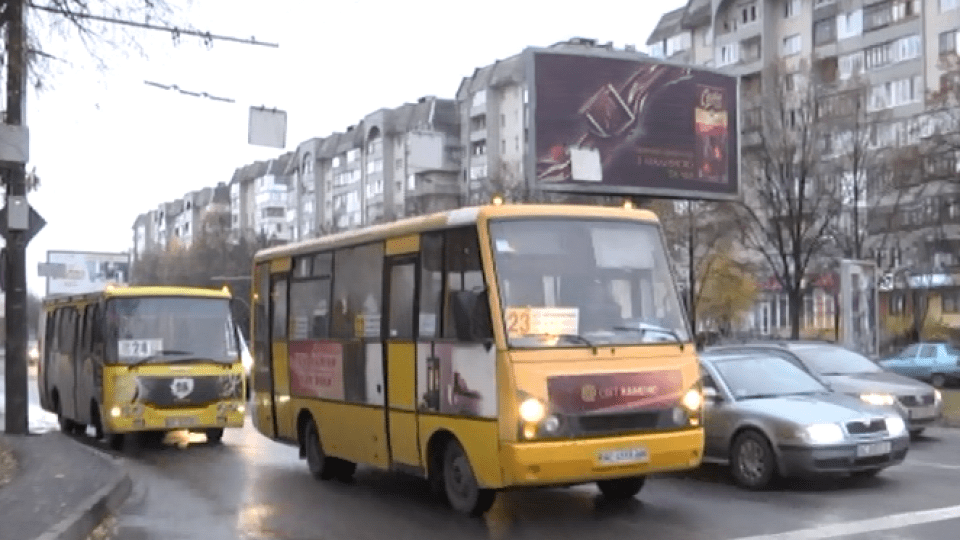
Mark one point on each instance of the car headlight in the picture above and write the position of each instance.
(823, 433)
(937, 396)
(895, 425)
(877, 399)
(532, 410)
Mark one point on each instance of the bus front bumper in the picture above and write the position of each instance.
(587, 460)
(125, 419)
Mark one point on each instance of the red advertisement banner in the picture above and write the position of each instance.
(316, 369)
(611, 392)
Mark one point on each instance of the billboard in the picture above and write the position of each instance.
(607, 123)
(75, 272)
(859, 318)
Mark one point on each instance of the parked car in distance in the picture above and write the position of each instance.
(933, 362)
(766, 417)
(849, 372)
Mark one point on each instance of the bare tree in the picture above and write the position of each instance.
(790, 199)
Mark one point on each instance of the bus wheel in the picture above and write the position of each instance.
(214, 435)
(115, 441)
(620, 489)
(96, 421)
(463, 492)
(344, 470)
(67, 427)
(321, 466)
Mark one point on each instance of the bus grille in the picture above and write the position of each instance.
(187, 391)
(619, 422)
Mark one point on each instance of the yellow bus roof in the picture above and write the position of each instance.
(127, 291)
(448, 219)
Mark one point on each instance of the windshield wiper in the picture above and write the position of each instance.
(644, 328)
(760, 396)
(577, 338)
(159, 354)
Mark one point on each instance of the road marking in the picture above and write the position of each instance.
(896, 521)
(931, 464)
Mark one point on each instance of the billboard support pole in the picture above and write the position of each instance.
(17, 233)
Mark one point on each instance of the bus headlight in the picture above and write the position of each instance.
(692, 400)
(532, 410)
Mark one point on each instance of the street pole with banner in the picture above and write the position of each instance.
(859, 317)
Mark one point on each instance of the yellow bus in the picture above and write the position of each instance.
(141, 359)
(482, 348)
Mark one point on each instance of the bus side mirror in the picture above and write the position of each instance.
(471, 315)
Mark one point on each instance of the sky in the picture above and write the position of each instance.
(109, 147)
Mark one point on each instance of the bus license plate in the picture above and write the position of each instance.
(873, 449)
(181, 421)
(624, 455)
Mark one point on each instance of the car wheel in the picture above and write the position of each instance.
(321, 466)
(463, 492)
(753, 463)
(938, 380)
(621, 488)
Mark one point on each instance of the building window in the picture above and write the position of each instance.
(353, 155)
(791, 44)
(849, 24)
(851, 65)
(877, 16)
(791, 9)
(478, 148)
(948, 42)
(825, 31)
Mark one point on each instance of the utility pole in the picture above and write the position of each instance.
(18, 222)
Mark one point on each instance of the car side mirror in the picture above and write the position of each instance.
(710, 395)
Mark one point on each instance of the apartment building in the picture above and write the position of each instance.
(893, 56)
(259, 200)
(393, 163)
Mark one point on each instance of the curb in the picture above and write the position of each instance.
(92, 511)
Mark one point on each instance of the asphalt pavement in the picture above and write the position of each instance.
(61, 489)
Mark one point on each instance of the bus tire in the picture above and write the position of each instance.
(460, 484)
(115, 441)
(321, 466)
(96, 421)
(343, 471)
(67, 427)
(620, 489)
(214, 435)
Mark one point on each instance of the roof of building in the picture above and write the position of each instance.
(696, 14)
(669, 25)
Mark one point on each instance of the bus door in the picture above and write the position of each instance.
(269, 335)
(279, 348)
(400, 358)
(70, 361)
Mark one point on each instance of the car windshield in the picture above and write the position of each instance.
(171, 329)
(762, 376)
(835, 361)
(577, 282)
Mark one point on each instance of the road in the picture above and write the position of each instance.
(254, 489)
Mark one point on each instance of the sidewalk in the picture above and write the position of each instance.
(60, 490)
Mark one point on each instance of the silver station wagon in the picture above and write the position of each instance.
(767, 418)
(849, 372)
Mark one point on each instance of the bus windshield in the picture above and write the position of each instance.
(585, 281)
(162, 330)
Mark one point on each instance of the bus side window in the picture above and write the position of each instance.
(465, 273)
(357, 292)
(431, 285)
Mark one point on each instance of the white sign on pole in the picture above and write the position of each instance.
(76, 272)
(268, 127)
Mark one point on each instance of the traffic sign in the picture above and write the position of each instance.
(34, 224)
